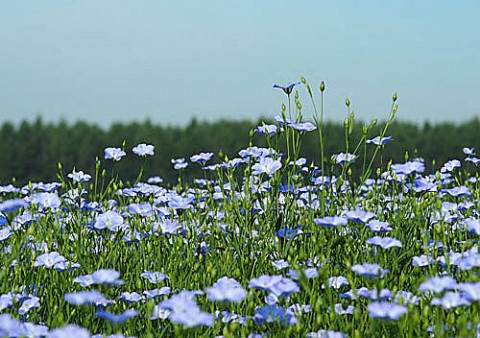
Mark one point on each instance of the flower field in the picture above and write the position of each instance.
(266, 244)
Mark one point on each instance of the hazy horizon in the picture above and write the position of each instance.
(120, 61)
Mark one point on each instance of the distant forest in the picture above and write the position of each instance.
(31, 151)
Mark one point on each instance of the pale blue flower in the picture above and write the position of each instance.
(287, 89)
(69, 331)
(368, 270)
(343, 158)
(438, 284)
(450, 166)
(266, 165)
(386, 311)
(331, 221)
(143, 150)
(226, 290)
(117, 319)
(450, 300)
(114, 154)
(84, 297)
(201, 158)
(269, 129)
(49, 260)
(378, 141)
(79, 176)
(154, 277)
(130, 297)
(274, 314)
(109, 220)
(384, 242)
(12, 205)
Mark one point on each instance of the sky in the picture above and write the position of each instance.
(106, 61)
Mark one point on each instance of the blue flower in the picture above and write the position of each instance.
(179, 202)
(269, 129)
(274, 314)
(102, 276)
(130, 297)
(5, 234)
(79, 176)
(340, 311)
(117, 319)
(279, 286)
(12, 205)
(326, 334)
(109, 220)
(378, 226)
(359, 216)
(288, 88)
(46, 200)
(343, 158)
(141, 209)
(380, 141)
(386, 311)
(180, 302)
(469, 151)
(69, 331)
(157, 293)
(288, 233)
(470, 291)
(460, 191)
(469, 262)
(159, 313)
(266, 165)
(226, 290)
(450, 300)
(363, 292)
(49, 260)
(384, 242)
(167, 227)
(115, 154)
(30, 302)
(280, 264)
(179, 163)
(337, 282)
(154, 277)
(369, 270)
(309, 273)
(331, 222)
(193, 317)
(143, 150)
(406, 297)
(201, 158)
(438, 284)
(84, 297)
(450, 166)
(303, 127)
(408, 168)
(422, 261)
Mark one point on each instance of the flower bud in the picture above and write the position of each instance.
(322, 86)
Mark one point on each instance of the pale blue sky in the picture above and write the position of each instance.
(104, 61)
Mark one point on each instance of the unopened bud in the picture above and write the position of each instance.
(347, 102)
(394, 98)
(322, 86)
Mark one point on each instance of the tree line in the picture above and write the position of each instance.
(31, 151)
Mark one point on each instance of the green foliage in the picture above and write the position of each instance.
(32, 150)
